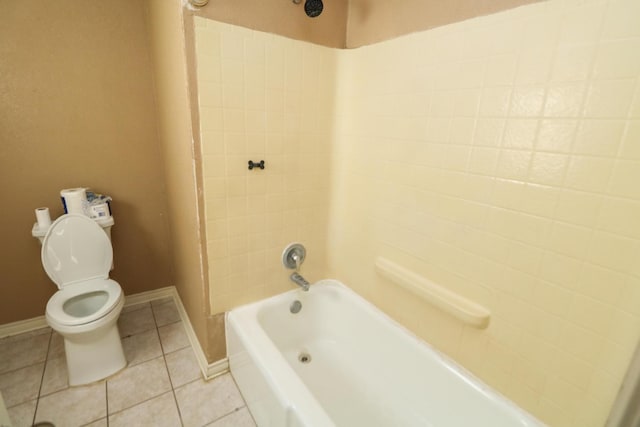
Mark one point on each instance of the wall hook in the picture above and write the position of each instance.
(253, 164)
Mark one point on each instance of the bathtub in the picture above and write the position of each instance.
(341, 362)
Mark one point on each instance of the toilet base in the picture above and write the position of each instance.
(95, 356)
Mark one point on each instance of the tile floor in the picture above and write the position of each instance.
(161, 386)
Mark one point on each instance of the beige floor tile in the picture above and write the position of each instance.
(183, 367)
(74, 406)
(142, 347)
(160, 411)
(56, 346)
(137, 384)
(166, 313)
(22, 415)
(129, 308)
(239, 418)
(23, 350)
(161, 301)
(173, 337)
(203, 402)
(136, 321)
(139, 395)
(21, 385)
(100, 423)
(55, 376)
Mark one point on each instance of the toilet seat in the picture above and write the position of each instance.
(77, 254)
(76, 249)
(62, 315)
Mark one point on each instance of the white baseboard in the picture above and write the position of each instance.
(209, 370)
(148, 296)
(28, 325)
(22, 326)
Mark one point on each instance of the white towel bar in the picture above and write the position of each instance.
(469, 312)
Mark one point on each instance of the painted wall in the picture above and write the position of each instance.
(285, 18)
(350, 23)
(77, 109)
(167, 42)
(502, 161)
(372, 21)
(262, 97)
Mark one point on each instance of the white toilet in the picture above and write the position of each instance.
(77, 256)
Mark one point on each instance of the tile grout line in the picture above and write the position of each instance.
(156, 328)
(233, 411)
(137, 404)
(166, 367)
(44, 369)
(242, 397)
(22, 367)
(106, 396)
(140, 306)
(23, 339)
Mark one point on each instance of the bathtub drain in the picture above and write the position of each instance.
(304, 357)
(295, 307)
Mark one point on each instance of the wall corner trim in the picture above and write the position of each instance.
(209, 370)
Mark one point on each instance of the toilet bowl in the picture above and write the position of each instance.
(77, 256)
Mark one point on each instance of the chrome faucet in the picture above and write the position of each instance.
(300, 281)
(292, 258)
(297, 259)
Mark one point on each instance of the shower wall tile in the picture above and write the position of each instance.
(262, 97)
(498, 156)
(502, 161)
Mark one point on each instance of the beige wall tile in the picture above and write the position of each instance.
(513, 184)
(261, 121)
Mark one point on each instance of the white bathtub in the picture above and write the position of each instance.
(364, 369)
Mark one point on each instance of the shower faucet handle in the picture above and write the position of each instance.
(293, 256)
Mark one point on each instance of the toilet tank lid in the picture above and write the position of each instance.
(76, 249)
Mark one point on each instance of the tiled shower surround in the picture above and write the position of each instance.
(499, 157)
(262, 97)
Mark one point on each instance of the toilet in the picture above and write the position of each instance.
(77, 256)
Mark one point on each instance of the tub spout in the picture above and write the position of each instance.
(300, 281)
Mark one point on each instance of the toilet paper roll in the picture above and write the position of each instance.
(74, 200)
(44, 218)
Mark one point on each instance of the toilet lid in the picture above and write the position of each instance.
(76, 249)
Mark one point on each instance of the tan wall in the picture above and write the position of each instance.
(77, 109)
(371, 21)
(167, 42)
(350, 23)
(503, 163)
(285, 18)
